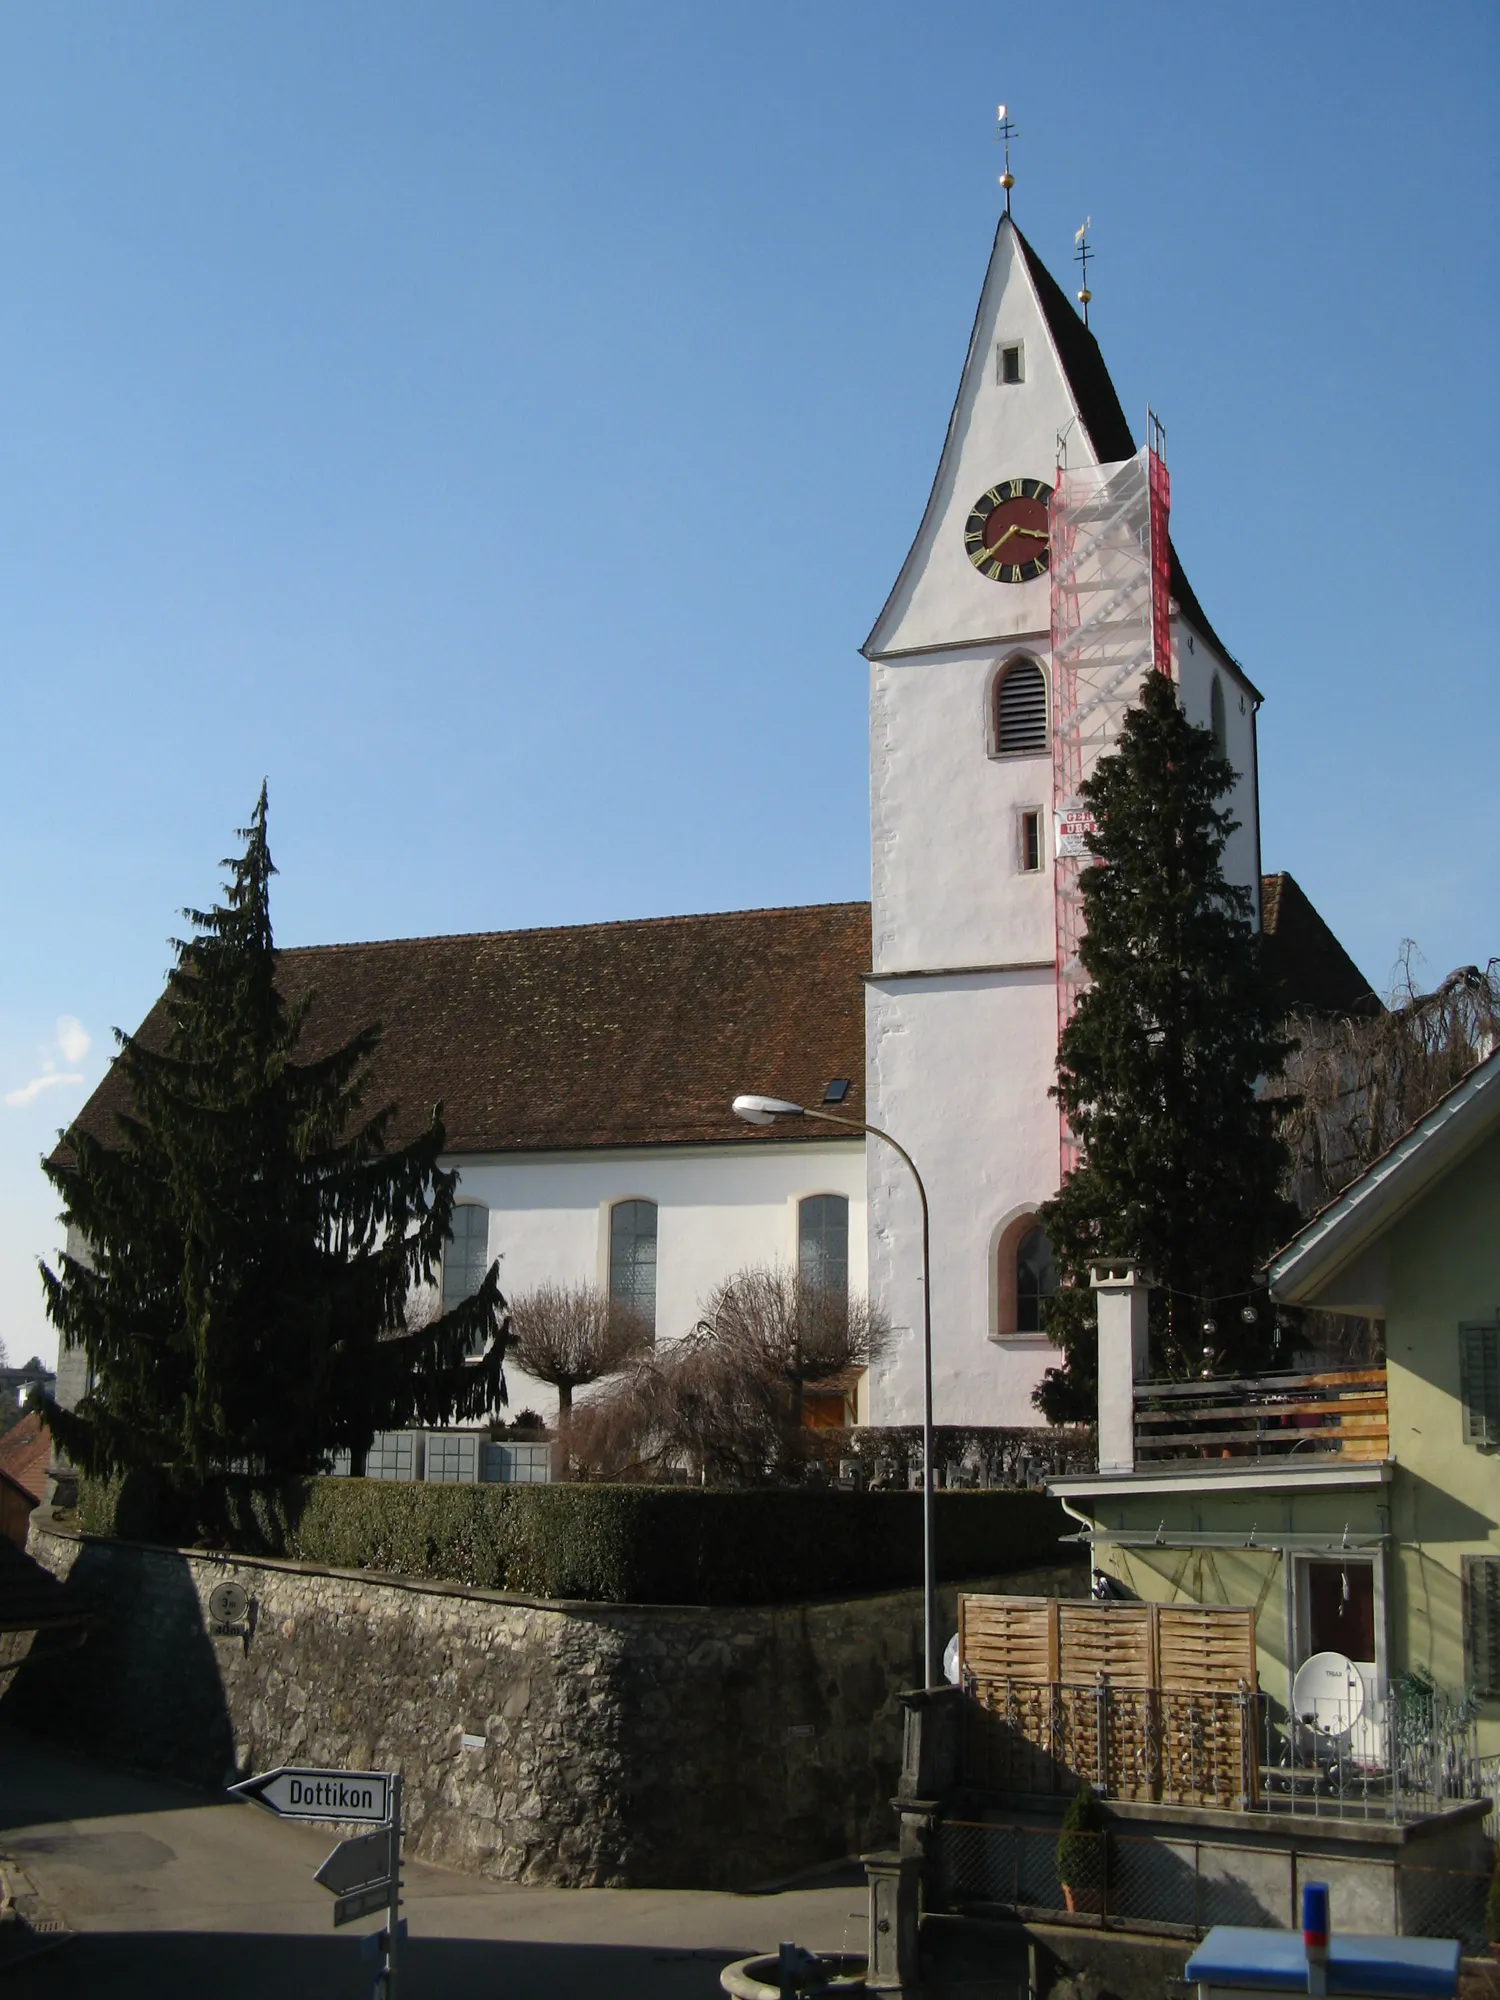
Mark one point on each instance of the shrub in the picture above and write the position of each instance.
(609, 1544)
(1080, 1843)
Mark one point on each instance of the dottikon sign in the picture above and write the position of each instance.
(362, 1796)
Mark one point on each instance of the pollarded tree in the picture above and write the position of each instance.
(1161, 1066)
(776, 1322)
(253, 1240)
(569, 1336)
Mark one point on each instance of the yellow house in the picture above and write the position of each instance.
(1355, 1509)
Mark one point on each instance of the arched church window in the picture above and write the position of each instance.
(1036, 1279)
(1021, 710)
(1216, 717)
(466, 1255)
(823, 1242)
(632, 1258)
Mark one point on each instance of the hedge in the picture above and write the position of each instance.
(611, 1544)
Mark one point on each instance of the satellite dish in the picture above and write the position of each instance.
(950, 1660)
(1329, 1692)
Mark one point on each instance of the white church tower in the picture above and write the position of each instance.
(961, 1006)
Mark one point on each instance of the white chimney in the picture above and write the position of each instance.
(1123, 1290)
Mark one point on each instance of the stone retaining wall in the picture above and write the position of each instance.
(579, 1744)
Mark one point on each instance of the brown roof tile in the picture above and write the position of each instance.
(619, 1034)
(25, 1451)
(1315, 973)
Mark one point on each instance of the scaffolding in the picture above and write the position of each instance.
(1111, 624)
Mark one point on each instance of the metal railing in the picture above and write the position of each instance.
(1403, 1757)
(1399, 1757)
(1337, 1413)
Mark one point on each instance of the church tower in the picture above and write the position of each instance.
(962, 1001)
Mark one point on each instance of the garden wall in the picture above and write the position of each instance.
(543, 1741)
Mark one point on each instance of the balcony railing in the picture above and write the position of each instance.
(1338, 1414)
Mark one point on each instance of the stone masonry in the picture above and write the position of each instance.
(569, 1743)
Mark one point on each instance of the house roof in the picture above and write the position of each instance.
(616, 1034)
(1312, 969)
(1103, 417)
(25, 1452)
(1369, 1206)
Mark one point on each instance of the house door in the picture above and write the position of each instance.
(1339, 1613)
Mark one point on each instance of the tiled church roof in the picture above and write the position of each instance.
(1315, 973)
(640, 1033)
(620, 1034)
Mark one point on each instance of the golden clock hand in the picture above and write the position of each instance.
(995, 547)
(1036, 534)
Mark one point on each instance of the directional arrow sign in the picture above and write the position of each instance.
(297, 1794)
(362, 1903)
(357, 1864)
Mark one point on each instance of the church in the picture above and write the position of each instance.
(587, 1073)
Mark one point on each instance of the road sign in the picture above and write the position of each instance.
(362, 1903)
(228, 1603)
(355, 1864)
(361, 1796)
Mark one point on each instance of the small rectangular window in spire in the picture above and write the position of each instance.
(1010, 362)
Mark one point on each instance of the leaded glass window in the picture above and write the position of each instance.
(632, 1258)
(823, 1242)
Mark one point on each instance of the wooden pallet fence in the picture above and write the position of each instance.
(1152, 1702)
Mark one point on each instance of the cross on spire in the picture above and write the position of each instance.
(1005, 132)
(1081, 255)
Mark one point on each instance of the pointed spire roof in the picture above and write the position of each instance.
(1100, 410)
(1087, 382)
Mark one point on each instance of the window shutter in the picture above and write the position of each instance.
(1479, 1374)
(1021, 710)
(1482, 1623)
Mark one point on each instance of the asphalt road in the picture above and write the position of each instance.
(169, 1891)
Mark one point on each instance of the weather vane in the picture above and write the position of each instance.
(1082, 252)
(1006, 132)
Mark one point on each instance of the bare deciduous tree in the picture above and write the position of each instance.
(569, 1336)
(796, 1332)
(1356, 1083)
(725, 1402)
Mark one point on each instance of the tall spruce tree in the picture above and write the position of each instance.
(252, 1238)
(1181, 1164)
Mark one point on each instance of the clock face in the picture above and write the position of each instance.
(1006, 534)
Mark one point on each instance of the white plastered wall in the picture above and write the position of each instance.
(947, 888)
(959, 1072)
(719, 1209)
(1196, 664)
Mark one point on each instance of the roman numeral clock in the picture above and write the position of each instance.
(1006, 535)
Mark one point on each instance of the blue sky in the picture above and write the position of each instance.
(500, 425)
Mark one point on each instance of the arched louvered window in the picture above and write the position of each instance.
(1021, 710)
(1216, 717)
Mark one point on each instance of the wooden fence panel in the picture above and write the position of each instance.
(1143, 1701)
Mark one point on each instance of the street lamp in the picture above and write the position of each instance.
(766, 1111)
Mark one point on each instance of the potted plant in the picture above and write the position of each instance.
(1492, 1908)
(1080, 1854)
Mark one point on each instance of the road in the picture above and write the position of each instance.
(170, 1891)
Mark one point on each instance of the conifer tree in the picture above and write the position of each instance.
(1181, 1165)
(252, 1239)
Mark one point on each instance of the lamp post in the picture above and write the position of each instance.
(766, 1111)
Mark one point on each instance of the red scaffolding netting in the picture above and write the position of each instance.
(1111, 624)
